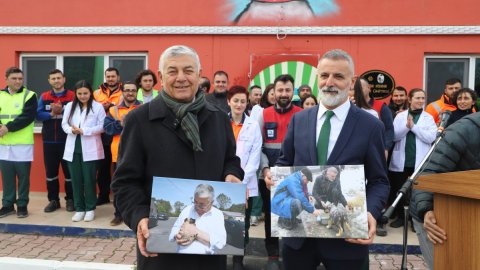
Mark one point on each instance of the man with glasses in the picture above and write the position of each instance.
(113, 126)
(200, 228)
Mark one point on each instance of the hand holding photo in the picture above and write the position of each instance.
(196, 217)
(319, 202)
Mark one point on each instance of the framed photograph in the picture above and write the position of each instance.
(197, 217)
(319, 202)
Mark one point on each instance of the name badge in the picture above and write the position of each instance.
(271, 130)
(47, 107)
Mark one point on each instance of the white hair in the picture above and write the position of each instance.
(338, 54)
(178, 50)
(205, 190)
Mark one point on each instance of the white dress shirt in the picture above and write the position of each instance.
(336, 123)
(211, 222)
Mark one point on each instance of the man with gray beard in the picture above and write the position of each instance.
(336, 133)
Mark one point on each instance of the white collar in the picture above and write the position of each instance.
(340, 111)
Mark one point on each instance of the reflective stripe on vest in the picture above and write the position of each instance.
(115, 109)
(437, 107)
(11, 106)
(8, 116)
(118, 114)
(272, 145)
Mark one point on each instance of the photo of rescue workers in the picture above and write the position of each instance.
(197, 217)
(319, 202)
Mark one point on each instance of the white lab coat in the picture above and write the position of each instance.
(92, 126)
(249, 148)
(425, 130)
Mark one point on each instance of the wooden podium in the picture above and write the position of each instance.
(457, 210)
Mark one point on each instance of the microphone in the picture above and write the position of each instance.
(443, 122)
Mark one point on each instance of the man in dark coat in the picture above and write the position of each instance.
(327, 188)
(177, 135)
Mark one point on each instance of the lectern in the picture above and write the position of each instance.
(457, 210)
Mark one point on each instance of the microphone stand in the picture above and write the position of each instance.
(404, 190)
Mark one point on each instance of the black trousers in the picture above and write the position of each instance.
(271, 243)
(397, 179)
(311, 254)
(117, 212)
(104, 175)
(181, 262)
(53, 158)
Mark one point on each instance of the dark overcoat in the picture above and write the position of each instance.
(360, 142)
(153, 144)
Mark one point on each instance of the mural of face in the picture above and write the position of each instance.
(249, 11)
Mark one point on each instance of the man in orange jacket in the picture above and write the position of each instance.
(437, 107)
(109, 94)
(113, 126)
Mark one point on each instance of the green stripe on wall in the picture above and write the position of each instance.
(292, 68)
(278, 70)
(307, 70)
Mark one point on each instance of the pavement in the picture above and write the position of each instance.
(53, 240)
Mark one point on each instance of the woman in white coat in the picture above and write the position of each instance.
(415, 132)
(249, 146)
(83, 122)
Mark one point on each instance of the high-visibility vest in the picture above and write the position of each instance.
(275, 125)
(437, 107)
(140, 94)
(104, 94)
(118, 113)
(11, 106)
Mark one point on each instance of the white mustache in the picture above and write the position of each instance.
(330, 90)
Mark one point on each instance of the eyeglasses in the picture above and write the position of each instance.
(130, 90)
(202, 205)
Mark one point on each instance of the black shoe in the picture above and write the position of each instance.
(273, 264)
(288, 224)
(103, 200)
(22, 212)
(116, 221)
(397, 223)
(411, 227)
(52, 206)
(6, 211)
(238, 263)
(70, 206)
(381, 231)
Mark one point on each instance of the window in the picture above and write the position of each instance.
(128, 66)
(439, 69)
(36, 71)
(76, 67)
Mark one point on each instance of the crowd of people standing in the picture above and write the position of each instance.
(246, 131)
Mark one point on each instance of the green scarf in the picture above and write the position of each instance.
(186, 113)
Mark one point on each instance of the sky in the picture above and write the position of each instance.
(175, 189)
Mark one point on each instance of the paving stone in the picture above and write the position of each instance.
(123, 251)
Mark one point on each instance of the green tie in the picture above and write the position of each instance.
(322, 144)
